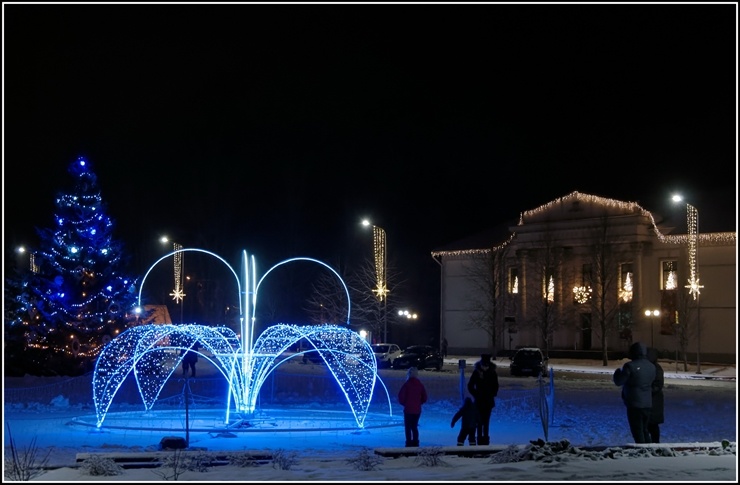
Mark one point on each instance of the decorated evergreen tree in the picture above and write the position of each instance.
(73, 297)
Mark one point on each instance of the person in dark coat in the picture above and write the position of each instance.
(189, 361)
(444, 347)
(656, 412)
(411, 396)
(483, 386)
(469, 414)
(636, 378)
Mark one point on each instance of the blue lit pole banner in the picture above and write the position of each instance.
(153, 352)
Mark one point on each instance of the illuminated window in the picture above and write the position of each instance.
(626, 282)
(513, 280)
(548, 286)
(669, 275)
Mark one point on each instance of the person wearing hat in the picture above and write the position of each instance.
(483, 386)
(411, 396)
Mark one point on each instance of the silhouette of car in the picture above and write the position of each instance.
(385, 354)
(419, 356)
(528, 361)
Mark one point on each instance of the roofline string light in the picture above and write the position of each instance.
(705, 238)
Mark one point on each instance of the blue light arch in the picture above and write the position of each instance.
(153, 352)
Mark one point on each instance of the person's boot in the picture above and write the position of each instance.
(460, 443)
(409, 443)
(473, 443)
(484, 441)
(415, 443)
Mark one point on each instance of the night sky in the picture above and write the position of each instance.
(277, 128)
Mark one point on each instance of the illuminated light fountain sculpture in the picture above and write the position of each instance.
(154, 352)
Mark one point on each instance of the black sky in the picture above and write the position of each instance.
(276, 128)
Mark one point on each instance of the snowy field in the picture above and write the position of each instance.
(587, 435)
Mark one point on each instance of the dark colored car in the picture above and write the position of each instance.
(528, 361)
(419, 356)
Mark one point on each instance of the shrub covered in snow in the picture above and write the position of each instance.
(365, 460)
(98, 466)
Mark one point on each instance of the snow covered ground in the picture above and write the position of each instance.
(587, 439)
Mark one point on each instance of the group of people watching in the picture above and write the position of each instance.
(642, 380)
(475, 412)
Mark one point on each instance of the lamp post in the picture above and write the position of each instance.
(409, 315)
(31, 258)
(692, 226)
(178, 294)
(648, 314)
(381, 290)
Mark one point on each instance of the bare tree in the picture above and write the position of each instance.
(686, 309)
(327, 302)
(367, 308)
(487, 277)
(611, 303)
(545, 315)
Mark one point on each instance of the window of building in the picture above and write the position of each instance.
(513, 280)
(548, 286)
(669, 275)
(626, 279)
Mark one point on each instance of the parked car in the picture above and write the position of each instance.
(386, 353)
(419, 356)
(528, 361)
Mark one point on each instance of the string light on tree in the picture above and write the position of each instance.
(74, 297)
(625, 293)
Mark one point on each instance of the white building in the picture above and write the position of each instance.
(578, 273)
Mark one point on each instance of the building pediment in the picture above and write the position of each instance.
(577, 205)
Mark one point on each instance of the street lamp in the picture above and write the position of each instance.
(31, 258)
(178, 294)
(408, 314)
(648, 314)
(692, 226)
(379, 252)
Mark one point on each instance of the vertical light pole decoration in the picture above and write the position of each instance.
(692, 226)
(178, 294)
(381, 290)
(31, 259)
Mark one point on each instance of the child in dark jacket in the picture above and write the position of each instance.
(469, 414)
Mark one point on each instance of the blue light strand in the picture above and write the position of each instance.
(153, 353)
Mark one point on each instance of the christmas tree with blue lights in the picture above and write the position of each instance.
(73, 298)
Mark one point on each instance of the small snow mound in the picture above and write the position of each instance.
(60, 402)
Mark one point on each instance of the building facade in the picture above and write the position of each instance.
(580, 273)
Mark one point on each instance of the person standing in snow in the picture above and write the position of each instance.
(483, 386)
(469, 414)
(636, 378)
(656, 412)
(189, 360)
(411, 396)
